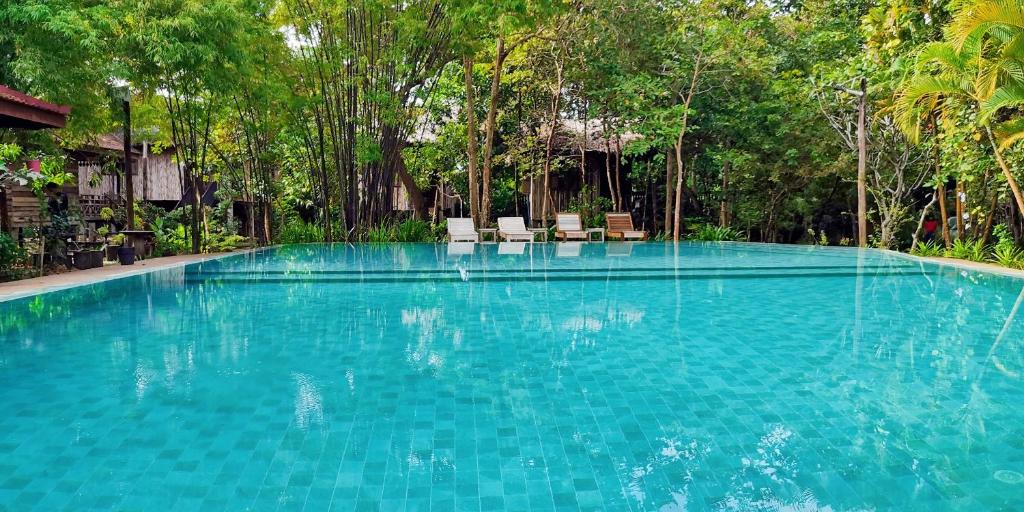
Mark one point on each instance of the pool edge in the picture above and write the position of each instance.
(43, 288)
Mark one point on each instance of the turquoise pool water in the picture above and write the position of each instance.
(569, 377)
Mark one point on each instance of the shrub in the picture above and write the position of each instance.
(971, 251)
(297, 231)
(1008, 256)
(11, 256)
(927, 249)
(381, 234)
(709, 233)
(414, 230)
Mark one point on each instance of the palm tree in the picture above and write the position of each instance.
(982, 64)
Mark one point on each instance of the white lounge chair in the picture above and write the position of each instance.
(513, 229)
(569, 227)
(462, 230)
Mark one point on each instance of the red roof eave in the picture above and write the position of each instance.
(19, 110)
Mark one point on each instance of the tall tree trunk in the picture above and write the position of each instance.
(944, 213)
(608, 167)
(680, 178)
(862, 166)
(471, 143)
(415, 194)
(556, 106)
(920, 221)
(489, 129)
(618, 174)
(669, 194)
(959, 207)
(1017, 196)
(723, 206)
(677, 217)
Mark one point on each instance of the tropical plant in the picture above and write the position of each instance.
(712, 233)
(981, 65)
(929, 249)
(297, 231)
(11, 256)
(968, 250)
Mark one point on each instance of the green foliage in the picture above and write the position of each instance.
(297, 231)
(407, 231)
(928, 249)
(1008, 256)
(591, 207)
(414, 230)
(381, 234)
(11, 256)
(225, 242)
(968, 250)
(711, 233)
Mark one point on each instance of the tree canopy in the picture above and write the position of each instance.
(324, 115)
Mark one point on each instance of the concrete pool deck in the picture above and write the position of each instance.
(35, 285)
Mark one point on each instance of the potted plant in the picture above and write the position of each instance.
(113, 244)
(126, 255)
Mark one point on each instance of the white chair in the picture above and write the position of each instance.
(569, 226)
(513, 229)
(462, 230)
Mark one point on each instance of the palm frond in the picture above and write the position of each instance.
(1009, 132)
(919, 96)
(982, 17)
(1009, 95)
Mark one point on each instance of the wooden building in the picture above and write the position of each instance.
(18, 205)
(156, 177)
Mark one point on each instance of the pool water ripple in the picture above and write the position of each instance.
(519, 377)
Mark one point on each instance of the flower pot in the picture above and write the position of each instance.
(112, 252)
(126, 255)
(84, 260)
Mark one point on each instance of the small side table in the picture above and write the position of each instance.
(591, 231)
(541, 231)
(492, 231)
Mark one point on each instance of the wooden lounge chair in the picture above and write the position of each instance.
(462, 230)
(568, 226)
(620, 227)
(513, 229)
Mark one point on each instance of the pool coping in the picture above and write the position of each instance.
(13, 290)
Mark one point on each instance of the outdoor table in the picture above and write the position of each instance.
(542, 231)
(591, 231)
(492, 231)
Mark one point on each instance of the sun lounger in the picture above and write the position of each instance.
(513, 229)
(462, 230)
(568, 226)
(620, 227)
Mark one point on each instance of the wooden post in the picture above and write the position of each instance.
(862, 166)
(129, 193)
(5, 221)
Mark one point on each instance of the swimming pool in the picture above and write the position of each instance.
(519, 377)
